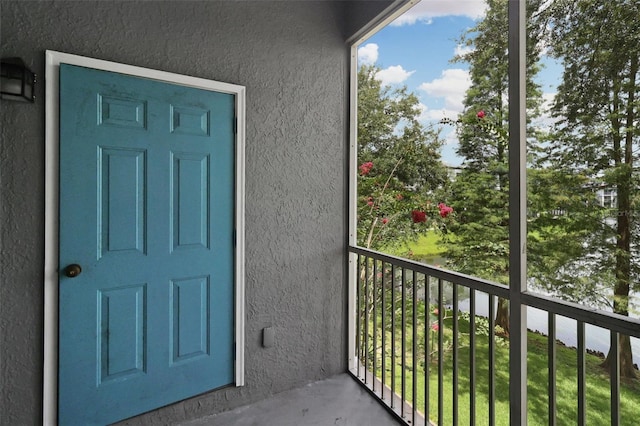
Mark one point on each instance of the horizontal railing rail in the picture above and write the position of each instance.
(609, 320)
(400, 343)
(449, 276)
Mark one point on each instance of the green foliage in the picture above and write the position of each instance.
(596, 109)
(481, 245)
(566, 228)
(390, 135)
(480, 193)
(481, 323)
(400, 164)
(483, 141)
(596, 134)
(576, 249)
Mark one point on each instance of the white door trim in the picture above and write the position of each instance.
(52, 73)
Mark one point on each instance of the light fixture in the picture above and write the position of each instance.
(17, 82)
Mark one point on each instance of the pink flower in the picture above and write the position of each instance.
(435, 326)
(385, 220)
(445, 210)
(365, 168)
(370, 203)
(418, 216)
(436, 311)
(399, 197)
(480, 114)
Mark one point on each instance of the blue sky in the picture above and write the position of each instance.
(416, 50)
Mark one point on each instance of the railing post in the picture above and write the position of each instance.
(393, 334)
(440, 353)
(414, 348)
(492, 361)
(365, 328)
(517, 212)
(614, 376)
(456, 331)
(551, 328)
(357, 320)
(582, 374)
(375, 322)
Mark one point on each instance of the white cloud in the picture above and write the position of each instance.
(368, 54)
(461, 50)
(393, 75)
(410, 19)
(431, 115)
(426, 10)
(451, 86)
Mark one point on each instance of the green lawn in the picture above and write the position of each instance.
(428, 248)
(597, 396)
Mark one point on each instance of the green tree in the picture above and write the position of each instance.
(399, 164)
(399, 169)
(597, 111)
(480, 192)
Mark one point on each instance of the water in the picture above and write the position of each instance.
(596, 338)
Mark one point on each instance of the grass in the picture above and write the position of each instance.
(597, 380)
(428, 248)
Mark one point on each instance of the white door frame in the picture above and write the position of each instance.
(52, 74)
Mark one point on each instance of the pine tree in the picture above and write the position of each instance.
(480, 193)
(597, 108)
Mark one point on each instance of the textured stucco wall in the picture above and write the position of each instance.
(293, 60)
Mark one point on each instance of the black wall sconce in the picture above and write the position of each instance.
(17, 82)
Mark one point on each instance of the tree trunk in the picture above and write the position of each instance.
(623, 273)
(623, 157)
(502, 315)
(627, 369)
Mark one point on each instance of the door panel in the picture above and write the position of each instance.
(147, 211)
(190, 201)
(121, 207)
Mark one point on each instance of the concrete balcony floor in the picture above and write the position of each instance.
(339, 400)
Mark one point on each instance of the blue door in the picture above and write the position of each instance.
(146, 244)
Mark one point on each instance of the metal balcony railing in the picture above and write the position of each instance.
(401, 353)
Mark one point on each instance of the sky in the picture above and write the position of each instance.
(416, 51)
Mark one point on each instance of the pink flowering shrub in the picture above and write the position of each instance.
(365, 168)
(418, 216)
(445, 210)
(390, 213)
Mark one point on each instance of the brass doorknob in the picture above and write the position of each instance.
(72, 270)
